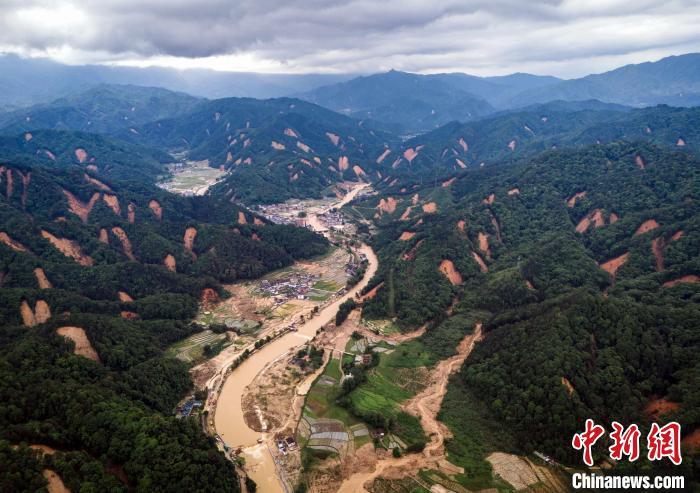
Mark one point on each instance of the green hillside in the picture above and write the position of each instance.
(128, 263)
(588, 278)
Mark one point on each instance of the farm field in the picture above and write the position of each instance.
(191, 350)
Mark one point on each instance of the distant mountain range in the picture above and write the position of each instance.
(24, 82)
(413, 103)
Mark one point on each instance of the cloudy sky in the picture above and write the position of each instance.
(567, 38)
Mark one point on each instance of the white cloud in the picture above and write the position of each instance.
(562, 37)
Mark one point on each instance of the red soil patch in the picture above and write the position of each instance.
(447, 267)
(83, 347)
(8, 192)
(414, 199)
(255, 237)
(430, 208)
(682, 280)
(463, 144)
(188, 238)
(657, 248)
(229, 157)
(484, 243)
(50, 155)
(571, 201)
(511, 145)
(69, 248)
(80, 209)
(209, 297)
(639, 161)
(406, 235)
(291, 133)
(406, 214)
(333, 138)
(514, 191)
(104, 236)
(27, 314)
(569, 388)
(411, 254)
(81, 155)
(113, 202)
(131, 213)
(241, 218)
(383, 155)
(28, 136)
(258, 222)
(55, 483)
(659, 407)
(15, 245)
(461, 224)
(124, 240)
(677, 236)
(372, 292)
(529, 284)
(449, 182)
(612, 265)
(124, 297)
(595, 218)
(343, 163)
(170, 263)
(96, 182)
(613, 218)
(41, 278)
(460, 163)
(680, 143)
(277, 146)
(26, 179)
(359, 171)
(128, 315)
(490, 199)
(410, 154)
(156, 209)
(480, 261)
(303, 147)
(388, 205)
(646, 226)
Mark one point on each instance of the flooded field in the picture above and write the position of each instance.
(192, 178)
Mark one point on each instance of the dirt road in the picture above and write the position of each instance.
(426, 406)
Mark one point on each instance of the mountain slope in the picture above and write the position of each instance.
(102, 156)
(123, 266)
(101, 109)
(515, 136)
(582, 265)
(408, 102)
(274, 149)
(673, 80)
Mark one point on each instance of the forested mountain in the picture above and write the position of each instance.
(673, 80)
(274, 149)
(584, 267)
(102, 156)
(28, 81)
(124, 264)
(101, 109)
(514, 136)
(405, 102)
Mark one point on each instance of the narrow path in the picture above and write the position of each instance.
(426, 406)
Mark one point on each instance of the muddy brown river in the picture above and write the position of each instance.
(228, 418)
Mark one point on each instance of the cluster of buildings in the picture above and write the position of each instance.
(284, 213)
(294, 286)
(285, 445)
(188, 408)
(332, 220)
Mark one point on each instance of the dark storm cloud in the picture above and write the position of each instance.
(355, 35)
